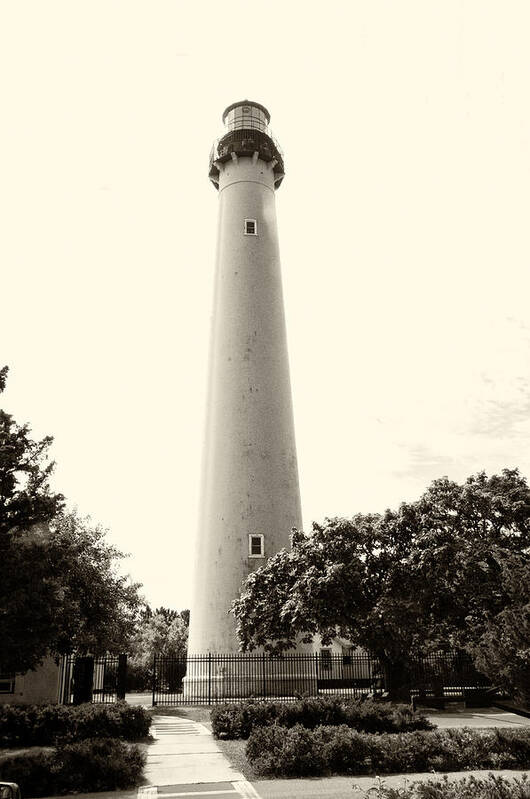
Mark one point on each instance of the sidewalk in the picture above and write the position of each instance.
(476, 718)
(185, 752)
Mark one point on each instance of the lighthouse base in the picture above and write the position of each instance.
(271, 680)
(200, 690)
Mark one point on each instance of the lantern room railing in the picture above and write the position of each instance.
(245, 142)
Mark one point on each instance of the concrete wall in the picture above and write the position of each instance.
(39, 687)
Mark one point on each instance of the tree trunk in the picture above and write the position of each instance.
(397, 680)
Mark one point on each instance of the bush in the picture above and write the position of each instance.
(43, 725)
(33, 772)
(297, 751)
(104, 764)
(492, 787)
(365, 715)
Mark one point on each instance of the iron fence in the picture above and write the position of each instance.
(214, 678)
(92, 679)
(446, 676)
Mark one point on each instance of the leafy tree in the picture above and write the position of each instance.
(62, 593)
(162, 632)
(185, 615)
(59, 590)
(168, 614)
(25, 470)
(427, 576)
(503, 650)
(101, 606)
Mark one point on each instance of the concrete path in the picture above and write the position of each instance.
(476, 719)
(185, 752)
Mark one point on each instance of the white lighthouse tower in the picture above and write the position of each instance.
(250, 496)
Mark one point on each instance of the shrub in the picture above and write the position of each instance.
(295, 749)
(286, 752)
(344, 750)
(104, 764)
(365, 715)
(492, 787)
(43, 725)
(33, 772)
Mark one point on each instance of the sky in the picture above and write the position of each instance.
(403, 225)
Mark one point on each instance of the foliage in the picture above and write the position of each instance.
(43, 725)
(26, 498)
(503, 650)
(161, 632)
(366, 715)
(401, 584)
(101, 606)
(297, 751)
(491, 787)
(61, 591)
(101, 764)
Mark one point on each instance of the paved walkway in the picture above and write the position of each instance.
(476, 719)
(185, 752)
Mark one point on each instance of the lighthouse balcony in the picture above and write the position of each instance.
(244, 142)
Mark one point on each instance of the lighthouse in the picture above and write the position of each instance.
(250, 496)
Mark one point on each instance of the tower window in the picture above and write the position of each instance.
(256, 548)
(251, 227)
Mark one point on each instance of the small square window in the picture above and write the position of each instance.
(256, 547)
(251, 227)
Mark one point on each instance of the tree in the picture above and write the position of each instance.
(25, 470)
(400, 584)
(503, 650)
(62, 593)
(60, 590)
(168, 614)
(162, 632)
(101, 606)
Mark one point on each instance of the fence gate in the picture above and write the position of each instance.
(92, 678)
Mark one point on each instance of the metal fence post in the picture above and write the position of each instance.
(122, 677)
(209, 678)
(154, 681)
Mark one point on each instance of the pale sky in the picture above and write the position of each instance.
(404, 235)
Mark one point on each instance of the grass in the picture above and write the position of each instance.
(234, 751)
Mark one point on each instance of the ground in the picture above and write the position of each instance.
(479, 718)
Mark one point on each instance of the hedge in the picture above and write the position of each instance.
(365, 715)
(492, 787)
(43, 725)
(298, 751)
(103, 764)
